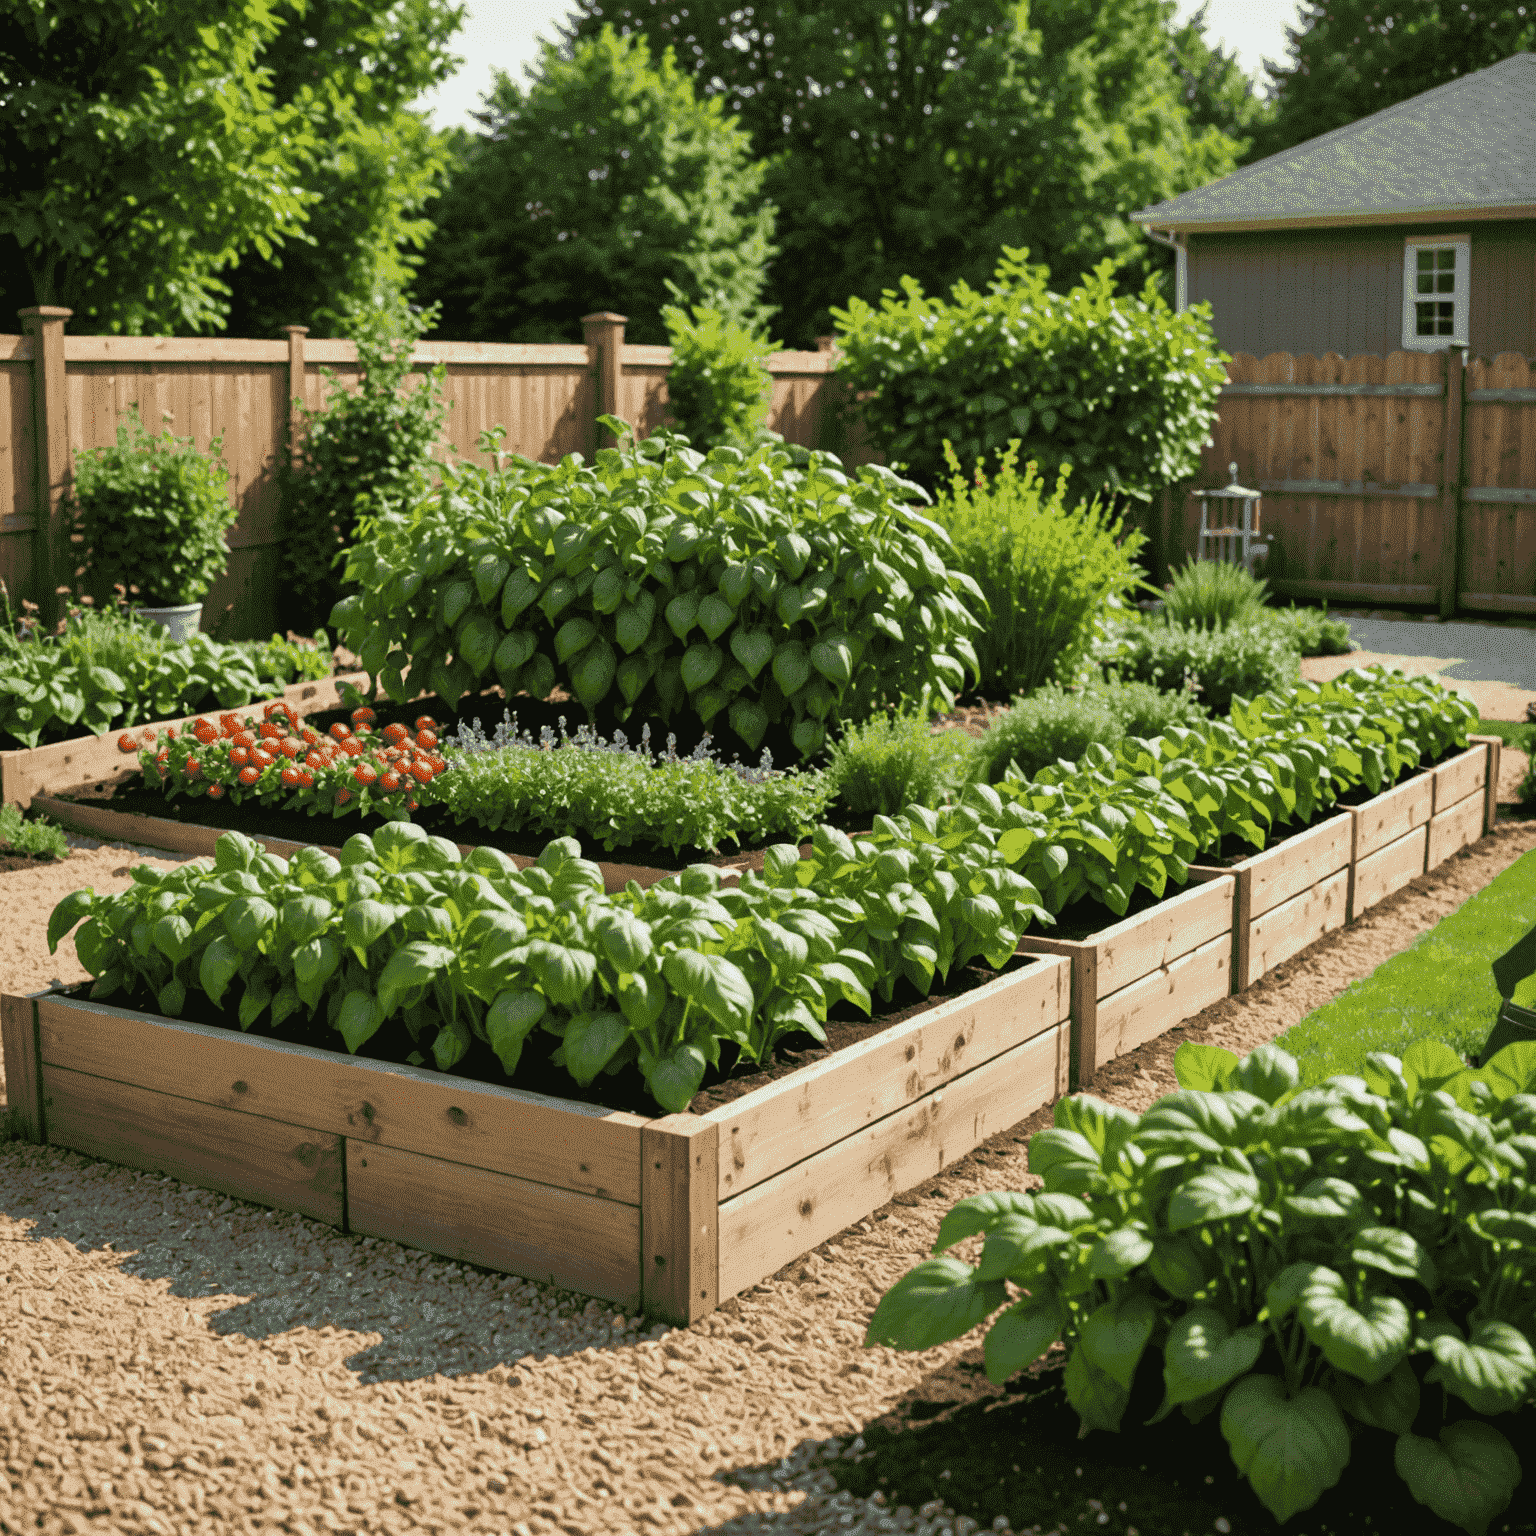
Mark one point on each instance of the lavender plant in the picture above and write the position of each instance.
(621, 793)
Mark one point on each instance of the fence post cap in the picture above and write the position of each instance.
(45, 312)
(607, 315)
(302, 330)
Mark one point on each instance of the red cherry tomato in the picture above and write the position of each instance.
(425, 723)
(389, 780)
(290, 776)
(352, 747)
(249, 775)
(239, 757)
(193, 768)
(261, 759)
(395, 734)
(342, 796)
(290, 746)
(309, 735)
(359, 715)
(170, 733)
(306, 778)
(270, 730)
(421, 772)
(231, 723)
(426, 739)
(243, 739)
(275, 709)
(126, 743)
(215, 791)
(365, 773)
(339, 732)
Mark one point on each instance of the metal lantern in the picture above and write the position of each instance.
(1229, 525)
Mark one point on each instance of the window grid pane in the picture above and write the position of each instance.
(1434, 272)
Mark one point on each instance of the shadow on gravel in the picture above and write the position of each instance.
(278, 1272)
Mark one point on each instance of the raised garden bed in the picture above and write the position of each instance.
(1391, 835)
(1460, 802)
(28, 772)
(672, 1214)
(1146, 974)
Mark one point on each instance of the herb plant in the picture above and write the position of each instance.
(718, 387)
(896, 758)
(473, 948)
(152, 512)
(1312, 1264)
(32, 835)
(290, 658)
(1219, 664)
(1213, 594)
(622, 795)
(733, 585)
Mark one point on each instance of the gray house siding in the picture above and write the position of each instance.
(1341, 290)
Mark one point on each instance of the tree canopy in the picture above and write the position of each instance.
(589, 189)
(1350, 58)
(919, 139)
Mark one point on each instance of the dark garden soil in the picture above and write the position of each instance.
(1018, 1453)
(626, 1089)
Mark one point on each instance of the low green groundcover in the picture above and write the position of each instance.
(1440, 988)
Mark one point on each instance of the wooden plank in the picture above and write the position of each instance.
(1455, 829)
(98, 759)
(1287, 929)
(543, 1139)
(1514, 495)
(173, 349)
(1416, 490)
(1164, 999)
(1299, 862)
(1394, 813)
(15, 349)
(1498, 602)
(1501, 396)
(1450, 502)
(18, 1049)
(767, 1227)
(1495, 745)
(680, 1218)
(273, 1162)
(1427, 391)
(1155, 938)
(1363, 591)
(557, 1236)
(1463, 775)
(778, 1125)
(1387, 870)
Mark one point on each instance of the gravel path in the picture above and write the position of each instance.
(173, 1361)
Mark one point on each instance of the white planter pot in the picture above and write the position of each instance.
(183, 622)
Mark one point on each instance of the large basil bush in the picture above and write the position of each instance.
(473, 948)
(734, 585)
(1312, 1264)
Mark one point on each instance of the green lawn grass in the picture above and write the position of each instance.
(1513, 733)
(1440, 988)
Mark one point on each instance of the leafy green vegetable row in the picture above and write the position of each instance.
(744, 586)
(473, 948)
(1301, 1260)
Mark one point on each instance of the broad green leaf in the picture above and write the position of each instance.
(1066, 1160)
(1327, 1199)
(573, 636)
(305, 917)
(1493, 1371)
(591, 1042)
(715, 615)
(1018, 1248)
(682, 613)
(249, 920)
(753, 648)
(701, 663)
(365, 922)
(1267, 1072)
(937, 1301)
(1433, 1063)
(1291, 1449)
(715, 984)
(625, 939)
(632, 624)
(1117, 1253)
(217, 967)
(1213, 1194)
(1367, 1340)
(1019, 1336)
(67, 913)
(1203, 1067)
(675, 1078)
(980, 1213)
(1512, 1070)
(1116, 1334)
(1515, 1229)
(449, 1045)
(791, 667)
(172, 998)
(1391, 1403)
(173, 936)
(1394, 1252)
(563, 973)
(1177, 1264)
(1203, 1354)
(1467, 1476)
(509, 1021)
(358, 1020)
(412, 965)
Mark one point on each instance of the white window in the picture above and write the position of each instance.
(1436, 280)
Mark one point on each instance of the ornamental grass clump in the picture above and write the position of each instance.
(740, 586)
(1310, 1265)
(620, 794)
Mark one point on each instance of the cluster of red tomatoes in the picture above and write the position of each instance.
(284, 759)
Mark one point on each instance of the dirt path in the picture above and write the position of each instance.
(172, 1361)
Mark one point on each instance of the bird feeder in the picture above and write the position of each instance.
(1229, 525)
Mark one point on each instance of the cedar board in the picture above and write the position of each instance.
(1464, 775)
(1457, 827)
(1393, 814)
(1495, 745)
(1275, 936)
(1388, 870)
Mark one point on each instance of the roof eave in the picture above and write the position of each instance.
(1461, 213)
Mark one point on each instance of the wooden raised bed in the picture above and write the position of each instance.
(1146, 974)
(1288, 896)
(30, 771)
(1391, 835)
(1460, 803)
(671, 1214)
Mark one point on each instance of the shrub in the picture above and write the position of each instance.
(1220, 663)
(1048, 726)
(1303, 1261)
(1121, 389)
(1309, 630)
(718, 389)
(368, 448)
(1212, 594)
(619, 794)
(1047, 572)
(151, 512)
(732, 585)
(1148, 711)
(290, 658)
(894, 759)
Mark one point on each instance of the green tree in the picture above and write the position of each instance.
(919, 139)
(1217, 92)
(360, 64)
(589, 189)
(1349, 58)
(140, 153)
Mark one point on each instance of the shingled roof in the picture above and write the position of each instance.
(1465, 147)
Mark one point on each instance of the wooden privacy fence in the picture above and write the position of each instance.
(1404, 479)
(60, 394)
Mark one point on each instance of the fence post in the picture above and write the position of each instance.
(296, 335)
(1450, 480)
(44, 323)
(604, 335)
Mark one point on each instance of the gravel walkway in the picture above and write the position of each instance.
(172, 1361)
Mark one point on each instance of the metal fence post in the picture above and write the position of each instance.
(44, 323)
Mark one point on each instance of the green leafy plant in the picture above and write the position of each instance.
(1306, 1262)
(152, 512)
(1220, 664)
(896, 758)
(1144, 710)
(718, 387)
(1309, 630)
(1213, 594)
(473, 948)
(290, 658)
(733, 585)
(619, 794)
(1120, 388)
(1050, 725)
(367, 449)
(33, 836)
(1048, 572)
(104, 667)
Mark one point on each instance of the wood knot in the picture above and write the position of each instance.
(806, 1207)
(458, 1116)
(242, 1087)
